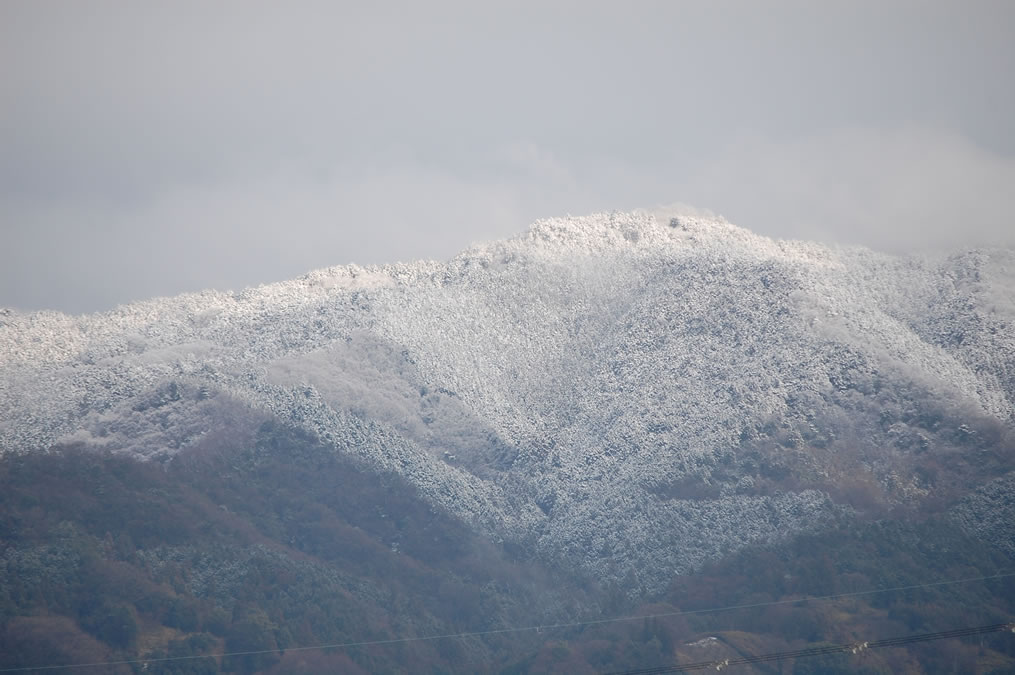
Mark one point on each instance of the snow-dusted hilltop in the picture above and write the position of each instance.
(633, 393)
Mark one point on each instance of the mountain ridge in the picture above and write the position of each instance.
(635, 394)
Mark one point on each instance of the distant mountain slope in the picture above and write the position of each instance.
(633, 394)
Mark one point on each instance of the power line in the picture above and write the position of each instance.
(850, 648)
(521, 629)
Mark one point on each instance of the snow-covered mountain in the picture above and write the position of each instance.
(633, 394)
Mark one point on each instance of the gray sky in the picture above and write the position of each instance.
(150, 148)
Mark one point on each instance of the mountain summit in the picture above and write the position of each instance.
(633, 394)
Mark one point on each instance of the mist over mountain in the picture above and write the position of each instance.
(630, 396)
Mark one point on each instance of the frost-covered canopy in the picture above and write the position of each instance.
(555, 387)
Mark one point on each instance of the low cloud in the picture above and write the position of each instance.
(232, 234)
(901, 190)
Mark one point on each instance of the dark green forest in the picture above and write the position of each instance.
(275, 543)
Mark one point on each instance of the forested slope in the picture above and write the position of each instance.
(600, 405)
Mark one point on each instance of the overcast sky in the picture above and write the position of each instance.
(150, 148)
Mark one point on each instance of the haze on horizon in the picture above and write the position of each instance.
(153, 149)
